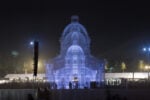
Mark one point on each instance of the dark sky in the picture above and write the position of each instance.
(118, 29)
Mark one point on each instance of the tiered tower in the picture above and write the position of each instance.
(75, 64)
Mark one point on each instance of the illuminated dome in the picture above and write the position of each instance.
(75, 31)
(75, 64)
(75, 49)
(75, 26)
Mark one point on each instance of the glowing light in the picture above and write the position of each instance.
(31, 43)
(14, 53)
(75, 64)
(148, 49)
(147, 67)
(2, 81)
(144, 49)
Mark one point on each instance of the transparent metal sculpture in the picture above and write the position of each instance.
(75, 67)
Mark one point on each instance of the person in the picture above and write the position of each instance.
(55, 85)
(86, 85)
(70, 85)
(76, 85)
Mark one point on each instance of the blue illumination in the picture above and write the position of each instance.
(75, 64)
(144, 49)
(148, 49)
(31, 43)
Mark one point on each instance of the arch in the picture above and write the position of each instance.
(73, 49)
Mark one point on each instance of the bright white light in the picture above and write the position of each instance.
(147, 67)
(31, 43)
(140, 75)
(144, 49)
(2, 81)
(148, 49)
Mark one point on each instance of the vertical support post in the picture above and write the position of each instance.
(35, 60)
(36, 51)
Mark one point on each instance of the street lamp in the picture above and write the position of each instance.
(32, 43)
(147, 67)
(147, 50)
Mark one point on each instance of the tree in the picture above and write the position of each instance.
(141, 65)
(123, 66)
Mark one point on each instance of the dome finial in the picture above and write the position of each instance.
(74, 18)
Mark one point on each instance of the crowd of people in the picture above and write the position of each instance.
(32, 85)
(44, 89)
(23, 85)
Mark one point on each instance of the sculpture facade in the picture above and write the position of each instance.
(75, 66)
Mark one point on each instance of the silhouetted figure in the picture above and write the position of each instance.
(55, 85)
(76, 85)
(70, 85)
(86, 85)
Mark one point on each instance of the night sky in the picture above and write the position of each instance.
(118, 29)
